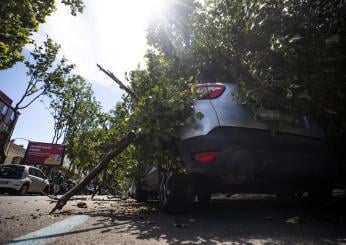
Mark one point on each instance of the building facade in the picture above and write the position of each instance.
(14, 154)
(8, 120)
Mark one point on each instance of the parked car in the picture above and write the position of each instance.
(231, 150)
(22, 179)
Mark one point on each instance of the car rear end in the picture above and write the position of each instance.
(229, 148)
(11, 177)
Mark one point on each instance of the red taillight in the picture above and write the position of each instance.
(209, 90)
(205, 157)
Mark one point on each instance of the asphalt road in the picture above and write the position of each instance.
(241, 219)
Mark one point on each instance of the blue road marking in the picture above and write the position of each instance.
(50, 232)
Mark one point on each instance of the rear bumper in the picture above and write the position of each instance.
(8, 189)
(10, 184)
(253, 155)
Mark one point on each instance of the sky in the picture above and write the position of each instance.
(109, 32)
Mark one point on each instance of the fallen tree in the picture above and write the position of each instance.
(117, 149)
(157, 103)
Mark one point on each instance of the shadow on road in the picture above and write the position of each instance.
(244, 220)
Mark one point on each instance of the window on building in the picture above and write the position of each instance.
(4, 127)
(17, 160)
(12, 116)
(4, 110)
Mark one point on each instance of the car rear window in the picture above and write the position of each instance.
(11, 172)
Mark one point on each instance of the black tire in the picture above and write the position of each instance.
(203, 197)
(23, 190)
(140, 194)
(176, 194)
(46, 190)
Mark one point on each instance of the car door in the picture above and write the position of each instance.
(35, 180)
(41, 178)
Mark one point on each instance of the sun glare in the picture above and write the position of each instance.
(116, 28)
(154, 7)
(138, 12)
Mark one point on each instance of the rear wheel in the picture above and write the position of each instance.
(46, 190)
(176, 194)
(23, 190)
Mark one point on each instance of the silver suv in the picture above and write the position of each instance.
(230, 150)
(22, 179)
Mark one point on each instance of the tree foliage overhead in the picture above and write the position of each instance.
(19, 20)
(289, 52)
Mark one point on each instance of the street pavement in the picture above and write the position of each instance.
(240, 219)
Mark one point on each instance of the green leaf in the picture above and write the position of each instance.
(199, 115)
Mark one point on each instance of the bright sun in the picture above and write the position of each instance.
(136, 12)
(152, 7)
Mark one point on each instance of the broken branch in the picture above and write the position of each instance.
(119, 147)
(120, 83)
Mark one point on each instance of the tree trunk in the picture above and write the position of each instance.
(117, 149)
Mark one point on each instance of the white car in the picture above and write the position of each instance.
(22, 179)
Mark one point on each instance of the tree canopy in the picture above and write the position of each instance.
(46, 74)
(19, 20)
(287, 52)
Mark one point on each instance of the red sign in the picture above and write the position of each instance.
(44, 153)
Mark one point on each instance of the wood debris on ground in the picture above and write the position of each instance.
(295, 220)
